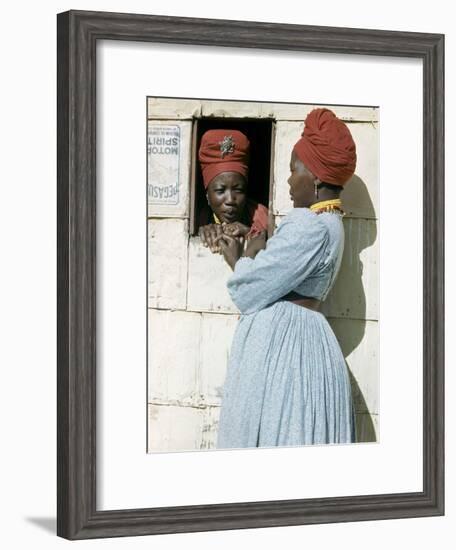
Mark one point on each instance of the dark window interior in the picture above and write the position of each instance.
(259, 133)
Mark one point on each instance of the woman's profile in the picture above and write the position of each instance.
(224, 161)
(287, 382)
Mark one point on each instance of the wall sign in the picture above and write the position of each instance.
(163, 150)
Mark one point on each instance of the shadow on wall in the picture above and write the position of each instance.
(365, 430)
(348, 296)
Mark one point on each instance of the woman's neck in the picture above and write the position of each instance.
(325, 195)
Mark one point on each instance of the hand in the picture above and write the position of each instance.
(231, 249)
(255, 244)
(236, 229)
(208, 235)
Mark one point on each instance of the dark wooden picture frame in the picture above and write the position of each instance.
(78, 32)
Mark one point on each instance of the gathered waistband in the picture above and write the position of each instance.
(304, 301)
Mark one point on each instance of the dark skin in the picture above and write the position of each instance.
(232, 249)
(302, 192)
(302, 185)
(227, 197)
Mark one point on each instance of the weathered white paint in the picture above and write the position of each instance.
(360, 196)
(228, 109)
(172, 428)
(216, 336)
(174, 356)
(188, 356)
(167, 263)
(162, 168)
(287, 134)
(210, 428)
(171, 108)
(207, 277)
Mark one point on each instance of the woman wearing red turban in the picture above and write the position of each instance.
(287, 382)
(224, 160)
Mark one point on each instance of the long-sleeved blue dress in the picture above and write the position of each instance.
(287, 381)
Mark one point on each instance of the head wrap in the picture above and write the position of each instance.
(223, 151)
(327, 148)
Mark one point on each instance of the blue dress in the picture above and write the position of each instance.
(287, 381)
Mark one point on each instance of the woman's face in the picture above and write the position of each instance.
(301, 182)
(227, 195)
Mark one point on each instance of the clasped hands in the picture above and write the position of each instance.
(229, 239)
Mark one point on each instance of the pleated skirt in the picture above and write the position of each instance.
(287, 382)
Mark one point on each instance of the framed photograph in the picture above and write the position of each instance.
(250, 274)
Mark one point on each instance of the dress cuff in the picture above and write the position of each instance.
(241, 265)
(243, 260)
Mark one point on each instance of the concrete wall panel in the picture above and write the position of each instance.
(167, 263)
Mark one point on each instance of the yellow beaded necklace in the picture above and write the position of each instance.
(331, 205)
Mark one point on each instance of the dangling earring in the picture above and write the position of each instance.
(207, 198)
(316, 184)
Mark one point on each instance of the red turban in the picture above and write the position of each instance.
(223, 151)
(327, 148)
